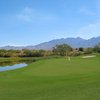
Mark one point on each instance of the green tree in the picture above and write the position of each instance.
(97, 48)
(62, 49)
(81, 49)
(88, 51)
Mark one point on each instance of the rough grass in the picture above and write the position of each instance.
(53, 79)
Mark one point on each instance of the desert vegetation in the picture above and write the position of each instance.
(60, 50)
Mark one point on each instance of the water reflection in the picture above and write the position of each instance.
(8, 63)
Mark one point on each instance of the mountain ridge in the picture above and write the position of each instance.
(74, 42)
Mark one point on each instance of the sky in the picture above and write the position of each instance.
(30, 22)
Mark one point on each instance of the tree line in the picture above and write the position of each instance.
(59, 50)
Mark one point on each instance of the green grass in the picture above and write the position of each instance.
(53, 79)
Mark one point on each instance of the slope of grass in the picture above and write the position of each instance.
(53, 79)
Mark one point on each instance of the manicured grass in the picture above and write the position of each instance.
(53, 79)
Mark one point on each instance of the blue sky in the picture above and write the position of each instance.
(29, 22)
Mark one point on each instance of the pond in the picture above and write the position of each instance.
(5, 66)
(12, 67)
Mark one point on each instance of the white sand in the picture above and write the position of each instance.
(89, 56)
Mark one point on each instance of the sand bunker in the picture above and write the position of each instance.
(89, 56)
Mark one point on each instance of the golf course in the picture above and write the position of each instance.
(53, 79)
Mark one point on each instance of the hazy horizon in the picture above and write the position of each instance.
(25, 22)
(45, 41)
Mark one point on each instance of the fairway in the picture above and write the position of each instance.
(53, 79)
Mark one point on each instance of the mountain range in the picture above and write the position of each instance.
(73, 42)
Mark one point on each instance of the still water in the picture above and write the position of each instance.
(12, 67)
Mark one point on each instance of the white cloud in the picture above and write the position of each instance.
(90, 30)
(29, 15)
(26, 14)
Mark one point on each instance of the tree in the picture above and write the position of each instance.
(81, 49)
(88, 51)
(62, 49)
(97, 48)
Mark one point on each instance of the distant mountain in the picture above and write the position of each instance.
(12, 47)
(74, 42)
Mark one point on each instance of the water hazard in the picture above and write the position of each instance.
(12, 67)
(5, 66)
